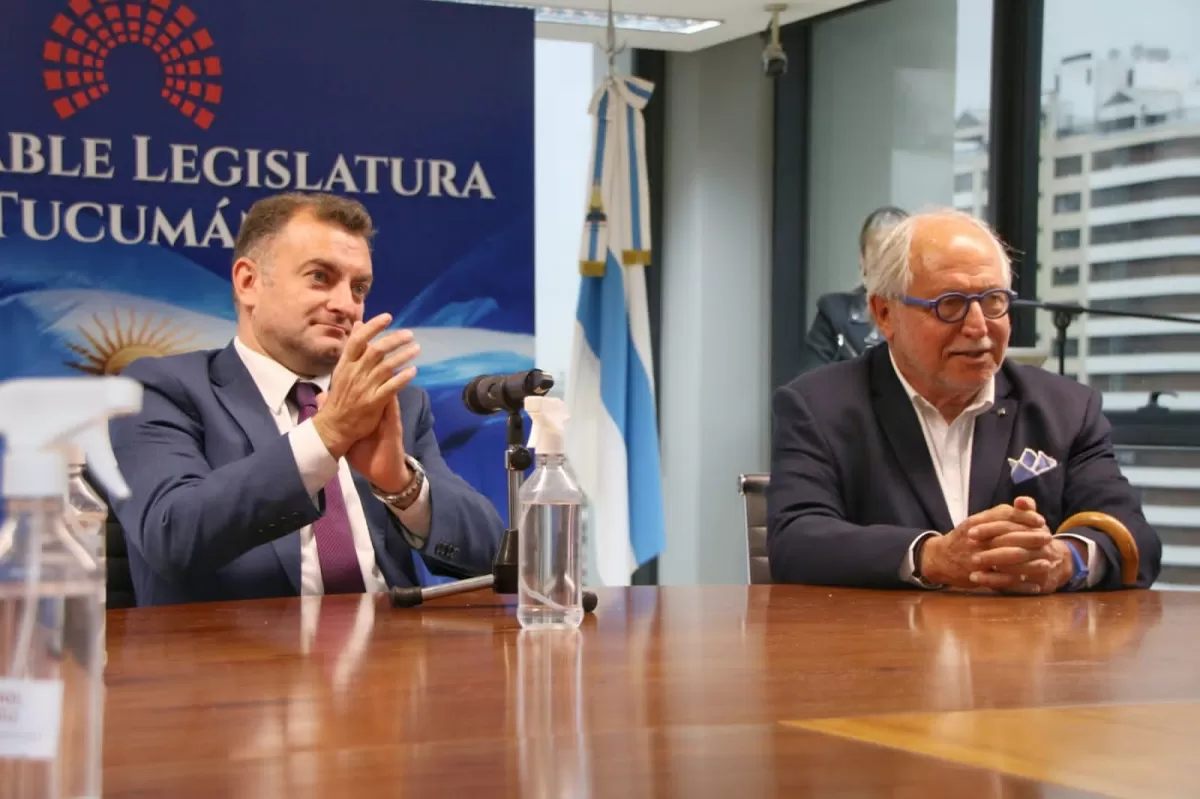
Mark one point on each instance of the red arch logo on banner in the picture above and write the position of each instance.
(88, 30)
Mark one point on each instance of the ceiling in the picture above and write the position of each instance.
(738, 18)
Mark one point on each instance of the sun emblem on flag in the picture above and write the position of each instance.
(111, 346)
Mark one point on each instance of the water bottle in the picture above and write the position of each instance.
(550, 558)
(52, 588)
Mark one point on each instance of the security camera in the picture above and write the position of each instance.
(774, 59)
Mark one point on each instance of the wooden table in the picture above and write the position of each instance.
(723, 691)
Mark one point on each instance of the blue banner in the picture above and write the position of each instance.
(135, 134)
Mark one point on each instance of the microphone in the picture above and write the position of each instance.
(488, 394)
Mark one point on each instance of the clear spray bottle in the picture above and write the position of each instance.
(52, 586)
(550, 563)
(86, 515)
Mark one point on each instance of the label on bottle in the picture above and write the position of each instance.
(30, 717)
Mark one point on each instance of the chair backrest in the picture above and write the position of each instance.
(116, 556)
(753, 488)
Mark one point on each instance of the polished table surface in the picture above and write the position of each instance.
(724, 691)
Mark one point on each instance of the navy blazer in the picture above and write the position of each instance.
(217, 499)
(852, 482)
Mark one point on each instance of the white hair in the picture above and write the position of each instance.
(888, 271)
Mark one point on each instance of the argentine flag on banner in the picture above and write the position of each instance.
(613, 436)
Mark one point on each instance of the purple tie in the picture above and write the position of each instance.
(340, 571)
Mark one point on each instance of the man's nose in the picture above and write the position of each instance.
(341, 299)
(974, 324)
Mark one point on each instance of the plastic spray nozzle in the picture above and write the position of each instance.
(548, 417)
(41, 418)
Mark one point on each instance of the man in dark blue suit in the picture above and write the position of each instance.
(843, 327)
(299, 459)
(931, 461)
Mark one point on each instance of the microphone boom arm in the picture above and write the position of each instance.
(1065, 313)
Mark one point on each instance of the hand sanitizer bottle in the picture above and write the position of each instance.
(51, 586)
(85, 516)
(86, 511)
(550, 562)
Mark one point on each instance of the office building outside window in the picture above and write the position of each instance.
(1119, 227)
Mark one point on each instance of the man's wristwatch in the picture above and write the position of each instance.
(1079, 579)
(916, 557)
(403, 500)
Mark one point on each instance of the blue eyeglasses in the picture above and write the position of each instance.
(953, 306)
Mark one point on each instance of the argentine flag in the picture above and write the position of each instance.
(613, 435)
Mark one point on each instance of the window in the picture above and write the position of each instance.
(1066, 239)
(1146, 229)
(900, 115)
(1146, 267)
(1072, 347)
(1142, 192)
(1065, 275)
(1144, 345)
(1168, 304)
(1145, 382)
(1066, 167)
(1068, 203)
(1122, 117)
(1148, 152)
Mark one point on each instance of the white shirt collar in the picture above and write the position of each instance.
(274, 380)
(983, 402)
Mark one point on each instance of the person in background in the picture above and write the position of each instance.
(932, 461)
(843, 328)
(300, 459)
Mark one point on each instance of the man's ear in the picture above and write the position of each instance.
(881, 311)
(246, 277)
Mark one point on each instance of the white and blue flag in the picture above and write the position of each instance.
(613, 437)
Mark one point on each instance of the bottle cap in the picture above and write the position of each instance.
(548, 416)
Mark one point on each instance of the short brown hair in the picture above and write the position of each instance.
(268, 216)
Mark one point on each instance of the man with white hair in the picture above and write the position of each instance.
(932, 461)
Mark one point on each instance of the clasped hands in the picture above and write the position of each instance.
(1007, 548)
(359, 417)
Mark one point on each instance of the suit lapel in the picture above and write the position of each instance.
(990, 448)
(237, 393)
(898, 418)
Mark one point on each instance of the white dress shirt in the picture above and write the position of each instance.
(950, 448)
(317, 467)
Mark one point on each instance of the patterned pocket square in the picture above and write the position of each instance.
(1031, 464)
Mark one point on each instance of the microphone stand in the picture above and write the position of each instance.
(1066, 312)
(503, 579)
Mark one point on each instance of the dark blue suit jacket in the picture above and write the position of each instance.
(217, 499)
(852, 483)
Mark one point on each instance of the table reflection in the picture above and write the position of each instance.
(554, 749)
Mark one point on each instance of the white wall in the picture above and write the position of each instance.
(883, 108)
(564, 79)
(716, 310)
